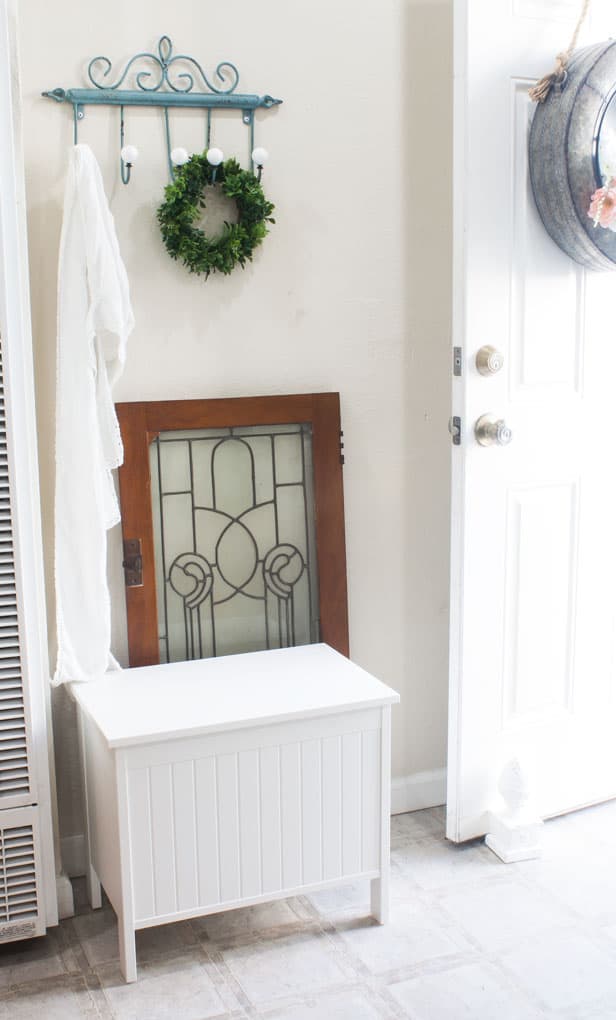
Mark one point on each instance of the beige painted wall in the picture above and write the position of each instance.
(350, 292)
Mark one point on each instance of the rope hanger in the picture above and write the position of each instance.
(540, 92)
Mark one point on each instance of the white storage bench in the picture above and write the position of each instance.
(223, 782)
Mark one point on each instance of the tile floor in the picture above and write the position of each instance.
(469, 937)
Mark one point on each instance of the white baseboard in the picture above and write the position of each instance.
(419, 790)
(73, 853)
(409, 793)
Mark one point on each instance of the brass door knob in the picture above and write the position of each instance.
(492, 431)
(488, 360)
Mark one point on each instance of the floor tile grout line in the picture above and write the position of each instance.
(335, 927)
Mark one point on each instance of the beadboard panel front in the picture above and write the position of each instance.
(233, 825)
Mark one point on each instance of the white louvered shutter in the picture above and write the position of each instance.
(21, 913)
(20, 899)
(14, 760)
(27, 864)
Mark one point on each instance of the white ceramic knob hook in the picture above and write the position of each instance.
(215, 156)
(260, 156)
(130, 154)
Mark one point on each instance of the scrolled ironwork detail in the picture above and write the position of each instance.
(184, 81)
(190, 576)
(282, 568)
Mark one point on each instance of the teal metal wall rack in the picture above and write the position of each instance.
(161, 84)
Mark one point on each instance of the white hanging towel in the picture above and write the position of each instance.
(94, 321)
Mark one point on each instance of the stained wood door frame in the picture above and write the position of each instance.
(142, 422)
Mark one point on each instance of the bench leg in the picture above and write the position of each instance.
(95, 898)
(379, 899)
(128, 952)
(379, 887)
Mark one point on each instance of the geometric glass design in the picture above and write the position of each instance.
(234, 540)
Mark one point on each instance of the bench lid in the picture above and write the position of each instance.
(182, 699)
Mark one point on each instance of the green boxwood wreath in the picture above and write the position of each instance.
(184, 200)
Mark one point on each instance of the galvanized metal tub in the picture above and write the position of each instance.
(564, 156)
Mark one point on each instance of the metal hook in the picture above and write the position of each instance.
(125, 168)
(168, 139)
(248, 118)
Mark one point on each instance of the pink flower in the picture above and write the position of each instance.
(603, 206)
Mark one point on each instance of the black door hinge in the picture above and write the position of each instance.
(133, 563)
(455, 429)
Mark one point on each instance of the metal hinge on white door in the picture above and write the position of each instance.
(455, 423)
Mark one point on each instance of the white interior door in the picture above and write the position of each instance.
(533, 615)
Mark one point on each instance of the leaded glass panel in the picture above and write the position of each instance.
(234, 540)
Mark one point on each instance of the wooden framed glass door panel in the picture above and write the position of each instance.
(143, 424)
